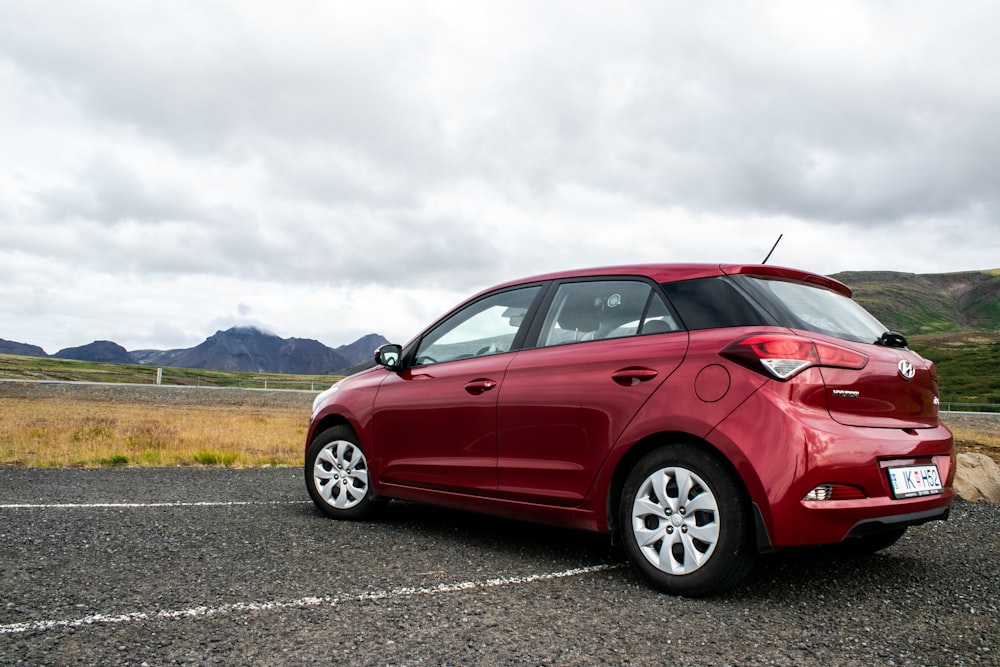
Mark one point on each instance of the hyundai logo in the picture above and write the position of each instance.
(906, 369)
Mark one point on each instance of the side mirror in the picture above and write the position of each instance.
(389, 356)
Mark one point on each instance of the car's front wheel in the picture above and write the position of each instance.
(685, 522)
(337, 475)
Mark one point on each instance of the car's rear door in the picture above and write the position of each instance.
(602, 349)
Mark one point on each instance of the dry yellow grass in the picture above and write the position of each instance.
(58, 433)
(63, 433)
(968, 440)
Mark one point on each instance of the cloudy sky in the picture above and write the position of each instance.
(328, 169)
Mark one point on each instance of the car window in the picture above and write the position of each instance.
(485, 327)
(712, 303)
(600, 309)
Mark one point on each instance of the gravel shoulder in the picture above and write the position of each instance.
(166, 571)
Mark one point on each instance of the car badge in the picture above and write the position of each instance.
(846, 393)
(906, 369)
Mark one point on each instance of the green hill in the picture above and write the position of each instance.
(951, 318)
(931, 303)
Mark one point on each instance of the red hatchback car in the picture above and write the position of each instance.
(699, 413)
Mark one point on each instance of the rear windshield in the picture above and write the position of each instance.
(737, 301)
(812, 308)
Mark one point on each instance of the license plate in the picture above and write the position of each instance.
(915, 481)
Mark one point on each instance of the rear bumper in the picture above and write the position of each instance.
(783, 452)
(883, 524)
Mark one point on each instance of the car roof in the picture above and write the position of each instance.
(664, 273)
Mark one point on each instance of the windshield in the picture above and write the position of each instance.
(802, 306)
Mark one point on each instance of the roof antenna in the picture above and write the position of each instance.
(772, 249)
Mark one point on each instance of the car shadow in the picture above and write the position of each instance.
(500, 535)
(828, 573)
(782, 575)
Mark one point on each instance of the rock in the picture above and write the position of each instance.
(977, 478)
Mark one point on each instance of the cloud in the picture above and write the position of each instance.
(163, 163)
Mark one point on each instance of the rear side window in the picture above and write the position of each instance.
(713, 303)
(602, 309)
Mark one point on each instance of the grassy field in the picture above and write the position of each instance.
(15, 367)
(65, 433)
(968, 365)
(968, 370)
(60, 433)
(979, 442)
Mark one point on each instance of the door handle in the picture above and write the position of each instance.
(629, 377)
(480, 386)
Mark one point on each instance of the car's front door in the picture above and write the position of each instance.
(434, 422)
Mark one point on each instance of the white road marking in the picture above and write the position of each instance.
(36, 506)
(301, 603)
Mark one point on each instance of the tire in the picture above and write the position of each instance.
(685, 522)
(337, 475)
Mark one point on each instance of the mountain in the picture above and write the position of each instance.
(929, 303)
(248, 349)
(100, 350)
(239, 349)
(21, 349)
(361, 351)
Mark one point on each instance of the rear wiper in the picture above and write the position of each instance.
(892, 339)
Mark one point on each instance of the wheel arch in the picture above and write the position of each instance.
(670, 439)
(328, 420)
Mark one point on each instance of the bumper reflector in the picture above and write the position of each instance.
(835, 492)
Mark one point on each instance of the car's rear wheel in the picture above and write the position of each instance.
(685, 522)
(337, 475)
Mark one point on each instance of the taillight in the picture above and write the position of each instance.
(784, 356)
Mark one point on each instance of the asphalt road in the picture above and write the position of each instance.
(213, 566)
